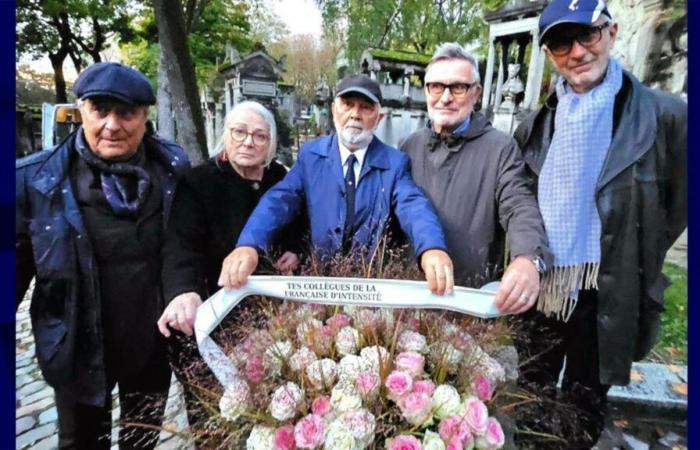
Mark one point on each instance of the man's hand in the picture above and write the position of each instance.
(238, 265)
(519, 288)
(180, 314)
(437, 266)
(287, 263)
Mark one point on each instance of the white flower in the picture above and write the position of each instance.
(345, 398)
(338, 437)
(410, 341)
(432, 441)
(372, 357)
(446, 401)
(361, 424)
(235, 401)
(322, 373)
(347, 341)
(302, 358)
(261, 438)
(305, 329)
(349, 368)
(445, 354)
(285, 401)
(275, 356)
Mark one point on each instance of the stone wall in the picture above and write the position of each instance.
(653, 42)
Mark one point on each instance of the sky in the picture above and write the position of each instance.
(300, 16)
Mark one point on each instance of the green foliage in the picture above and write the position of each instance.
(402, 56)
(673, 343)
(412, 25)
(211, 25)
(492, 5)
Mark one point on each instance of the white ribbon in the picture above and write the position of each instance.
(331, 291)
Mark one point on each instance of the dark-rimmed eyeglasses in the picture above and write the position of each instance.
(456, 89)
(241, 134)
(560, 44)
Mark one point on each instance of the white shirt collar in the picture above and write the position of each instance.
(359, 154)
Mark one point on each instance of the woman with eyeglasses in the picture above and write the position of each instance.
(212, 204)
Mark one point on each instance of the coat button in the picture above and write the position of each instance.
(80, 236)
(337, 230)
(48, 227)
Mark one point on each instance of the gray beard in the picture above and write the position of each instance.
(352, 140)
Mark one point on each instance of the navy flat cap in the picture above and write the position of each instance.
(584, 12)
(110, 79)
(360, 84)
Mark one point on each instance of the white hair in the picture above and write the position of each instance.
(452, 50)
(260, 110)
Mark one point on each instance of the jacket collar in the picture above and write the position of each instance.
(375, 158)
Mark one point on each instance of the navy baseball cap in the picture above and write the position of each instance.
(110, 79)
(360, 84)
(584, 12)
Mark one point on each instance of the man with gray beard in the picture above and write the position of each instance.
(351, 184)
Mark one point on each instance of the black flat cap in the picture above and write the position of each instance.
(110, 79)
(360, 84)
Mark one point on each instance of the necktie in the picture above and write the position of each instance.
(350, 202)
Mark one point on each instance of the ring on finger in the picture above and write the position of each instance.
(524, 297)
(173, 317)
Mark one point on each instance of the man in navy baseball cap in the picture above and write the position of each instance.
(601, 151)
(110, 79)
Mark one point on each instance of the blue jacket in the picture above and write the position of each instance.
(52, 244)
(384, 187)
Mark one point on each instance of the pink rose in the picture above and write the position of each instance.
(415, 407)
(410, 362)
(404, 442)
(455, 444)
(494, 434)
(321, 405)
(482, 388)
(338, 321)
(477, 415)
(284, 438)
(454, 427)
(309, 431)
(254, 369)
(367, 384)
(399, 384)
(425, 386)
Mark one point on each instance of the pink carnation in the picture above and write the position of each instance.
(399, 384)
(425, 386)
(410, 362)
(367, 384)
(338, 321)
(284, 438)
(415, 407)
(309, 431)
(482, 388)
(477, 415)
(494, 434)
(255, 369)
(321, 406)
(454, 427)
(404, 442)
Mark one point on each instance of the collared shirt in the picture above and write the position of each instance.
(359, 154)
(464, 127)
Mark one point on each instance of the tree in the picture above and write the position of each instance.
(74, 29)
(182, 82)
(413, 25)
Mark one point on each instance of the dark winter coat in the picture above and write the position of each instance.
(642, 200)
(478, 184)
(53, 244)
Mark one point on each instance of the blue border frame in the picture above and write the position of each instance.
(7, 200)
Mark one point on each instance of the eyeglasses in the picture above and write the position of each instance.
(241, 134)
(456, 89)
(560, 44)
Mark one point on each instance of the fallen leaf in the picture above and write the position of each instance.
(622, 423)
(680, 388)
(674, 368)
(636, 376)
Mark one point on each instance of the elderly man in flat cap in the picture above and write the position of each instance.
(351, 184)
(89, 223)
(609, 158)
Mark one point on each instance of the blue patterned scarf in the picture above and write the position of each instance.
(583, 126)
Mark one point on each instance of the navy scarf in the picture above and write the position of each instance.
(125, 184)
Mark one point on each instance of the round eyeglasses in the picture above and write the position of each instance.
(456, 89)
(560, 44)
(241, 134)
